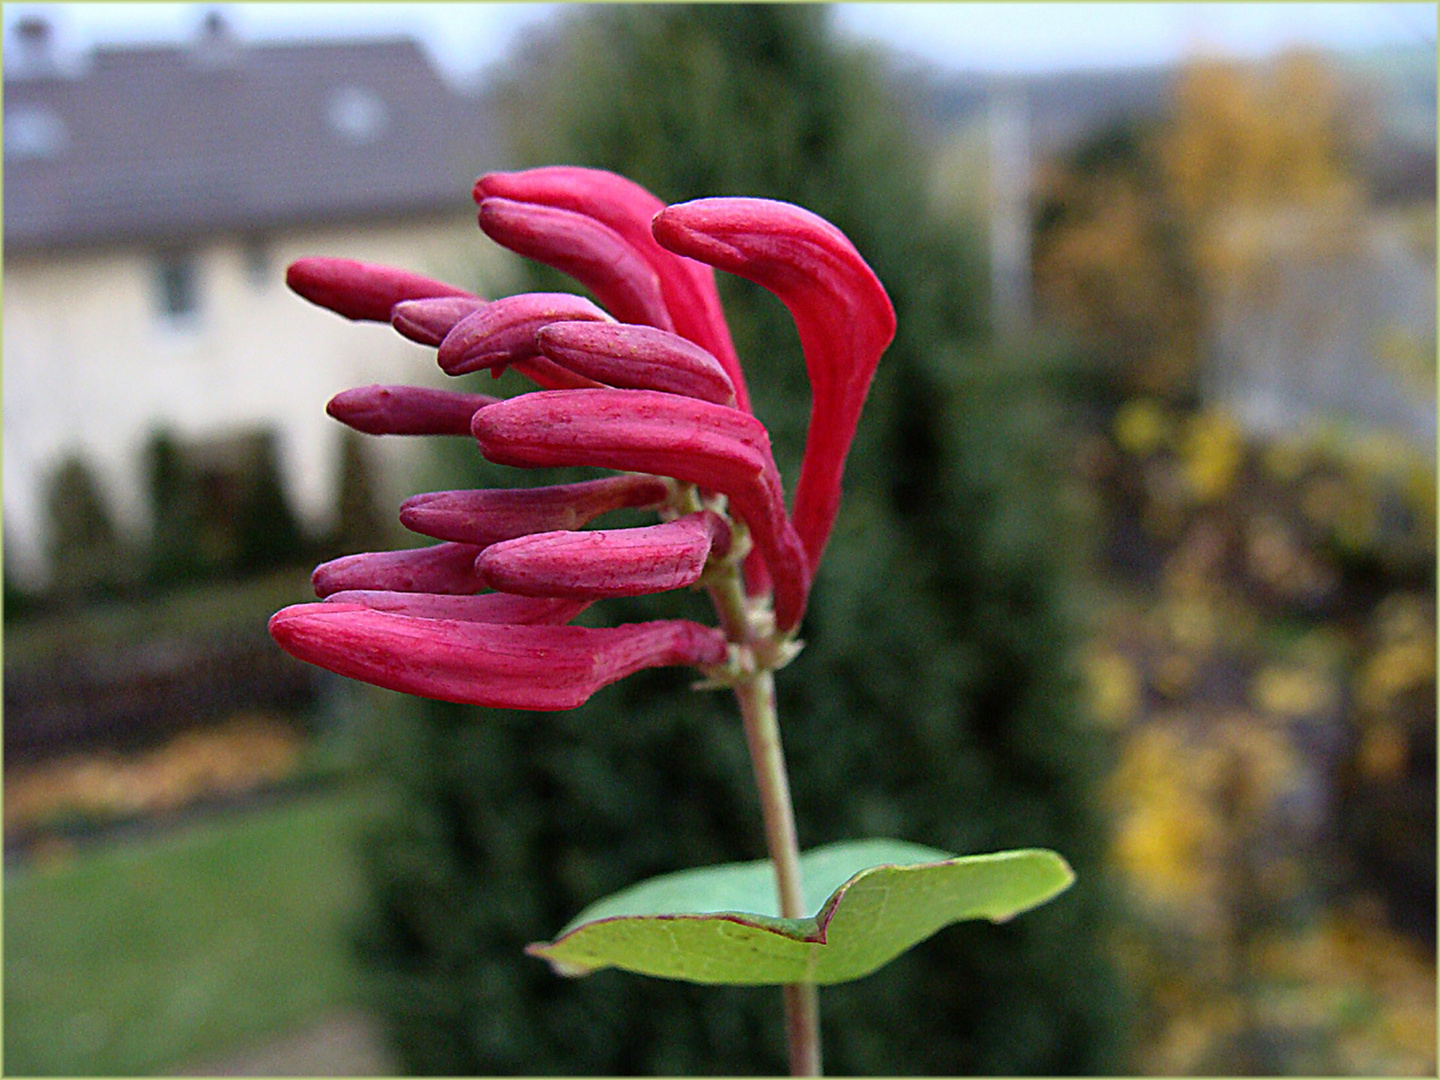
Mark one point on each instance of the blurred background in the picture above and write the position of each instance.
(1137, 558)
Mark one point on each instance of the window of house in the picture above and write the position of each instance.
(257, 261)
(34, 132)
(177, 286)
(356, 114)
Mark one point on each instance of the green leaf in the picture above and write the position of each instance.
(872, 899)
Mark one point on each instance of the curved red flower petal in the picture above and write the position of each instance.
(502, 666)
(488, 516)
(492, 607)
(407, 410)
(428, 321)
(688, 287)
(441, 568)
(503, 331)
(718, 448)
(637, 358)
(360, 290)
(844, 317)
(606, 562)
(593, 254)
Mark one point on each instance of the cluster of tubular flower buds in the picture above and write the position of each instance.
(645, 382)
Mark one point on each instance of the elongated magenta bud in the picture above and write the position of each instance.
(442, 568)
(606, 562)
(488, 516)
(493, 607)
(718, 448)
(688, 287)
(407, 410)
(362, 291)
(428, 321)
(503, 332)
(593, 254)
(501, 666)
(841, 310)
(636, 358)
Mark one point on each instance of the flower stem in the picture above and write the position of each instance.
(802, 1028)
(752, 628)
(762, 734)
(756, 694)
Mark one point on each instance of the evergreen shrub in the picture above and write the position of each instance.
(935, 700)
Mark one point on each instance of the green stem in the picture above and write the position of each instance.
(754, 686)
(756, 694)
(802, 1028)
(750, 627)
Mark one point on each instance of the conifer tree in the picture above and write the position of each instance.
(267, 533)
(87, 556)
(360, 525)
(933, 702)
(175, 555)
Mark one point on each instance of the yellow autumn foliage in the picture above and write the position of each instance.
(1287, 457)
(1212, 450)
(1145, 240)
(1291, 692)
(1113, 686)
(1141, 426)
(1166, 830)
(1246, 136)
(1392, 670)
(1316, 975)
(1384, 751)
(241, 754)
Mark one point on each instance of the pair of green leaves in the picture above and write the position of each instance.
(872, 899)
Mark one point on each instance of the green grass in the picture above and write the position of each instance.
(144, 956)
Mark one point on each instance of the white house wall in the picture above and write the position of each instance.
(92, 367)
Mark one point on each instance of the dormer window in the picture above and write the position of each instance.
(356, 114)
(34, 132)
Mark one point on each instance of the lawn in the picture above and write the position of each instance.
(142, 956)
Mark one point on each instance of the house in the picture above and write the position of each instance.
(154, 196)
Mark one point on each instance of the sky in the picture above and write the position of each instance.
(464, 38)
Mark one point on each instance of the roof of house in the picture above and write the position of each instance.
(160, 143)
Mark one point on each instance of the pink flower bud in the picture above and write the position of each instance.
(503, 332)
(407, 410)
(637, 358)
(718, 448)
(361, 290)
(688, 287)
(428, 321)
(839, 306)
(592, 253)
(502, 666)
(489, 516)
(606, 562)
(442, 568)
(493, 607)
